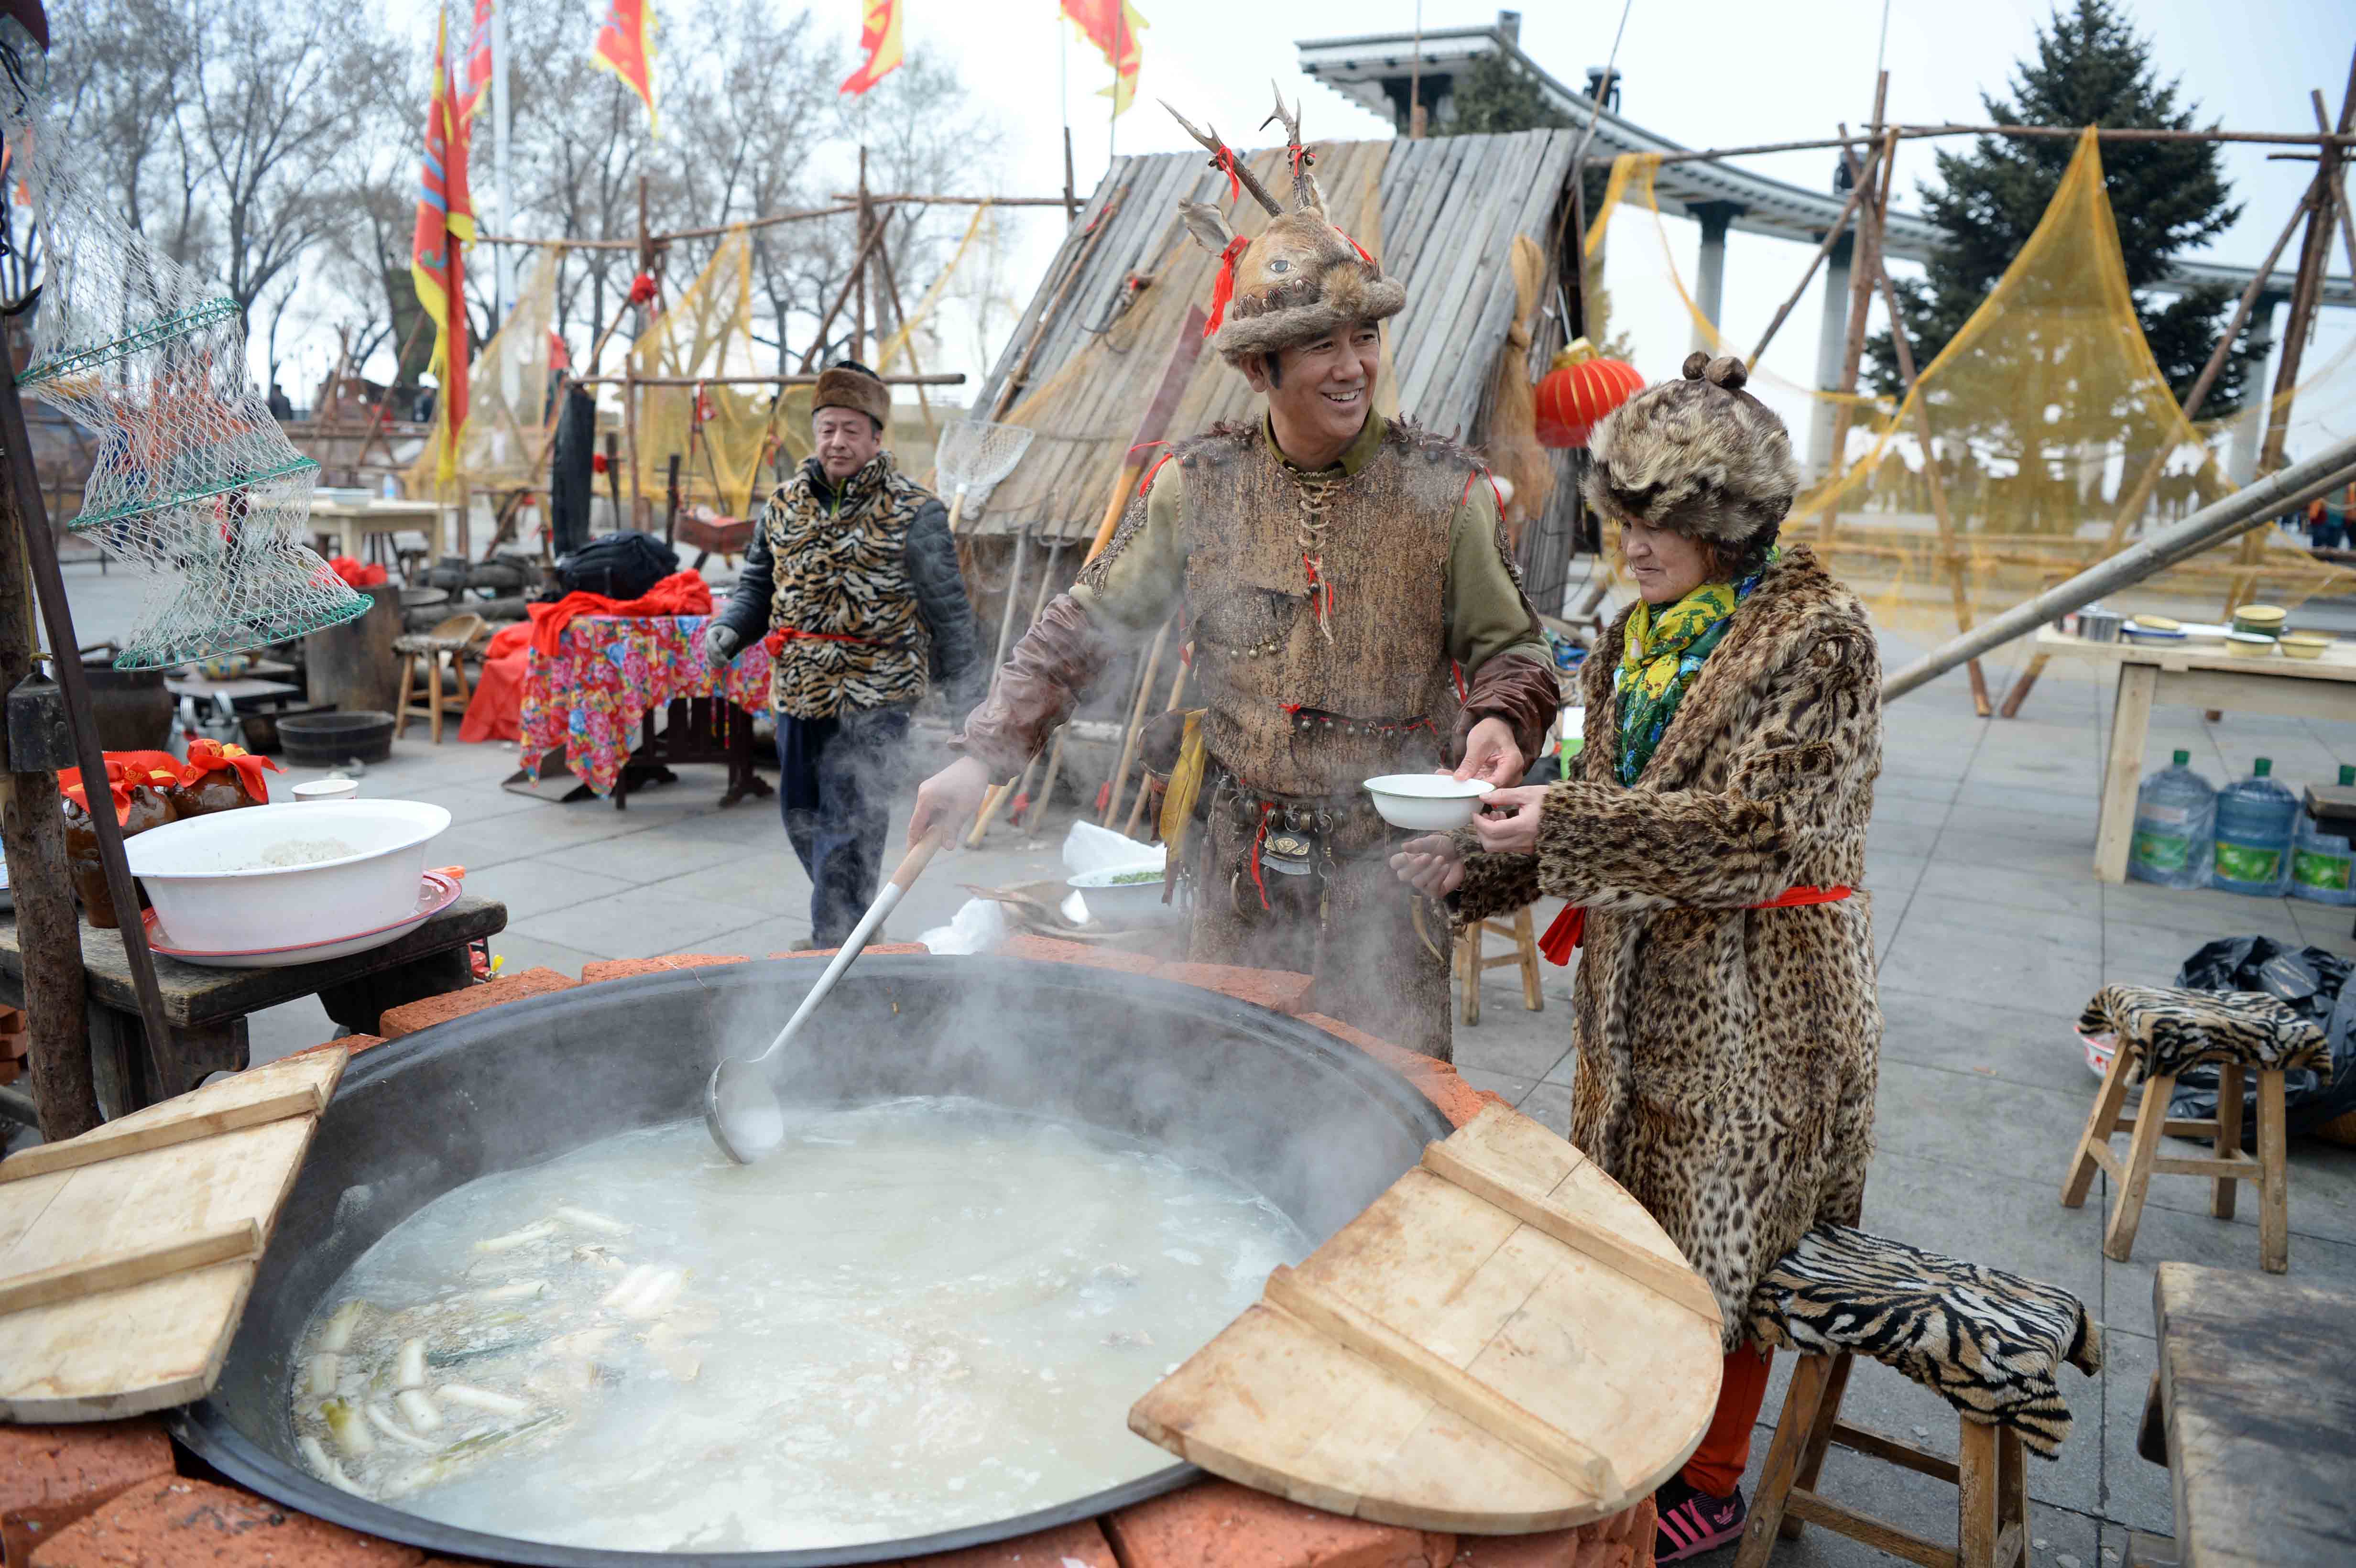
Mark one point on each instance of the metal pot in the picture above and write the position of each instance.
(1312, 1123)
(2097, 624)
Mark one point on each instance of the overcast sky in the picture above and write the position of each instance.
(1702, 73)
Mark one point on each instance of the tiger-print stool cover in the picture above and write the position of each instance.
(2168, 1030)
(1988, 1342)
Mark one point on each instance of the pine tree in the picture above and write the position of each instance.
(1495, 94)
(2090, 69)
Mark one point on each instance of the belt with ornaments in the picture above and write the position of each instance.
(1569, 928)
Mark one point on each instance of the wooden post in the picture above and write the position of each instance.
(637, 512)
(859, 266)
(908, 333)
(1136, 725)
(1071, 193)
(40, 555)
(1863, 265)
(33, 833)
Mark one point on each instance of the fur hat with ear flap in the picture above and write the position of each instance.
(1297, 280)
(1697, 456)
(848, 384)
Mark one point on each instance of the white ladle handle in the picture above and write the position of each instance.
(909, 868)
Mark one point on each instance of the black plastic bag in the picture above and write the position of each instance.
(619, 566)
(2307, 980)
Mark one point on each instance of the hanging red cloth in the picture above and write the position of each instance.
(1569, 928)
(496, 710)
(681, 593)
(1223, 287)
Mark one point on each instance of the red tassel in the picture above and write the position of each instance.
(1223, 288)
(1361, 249)
(1301, 155)
(642, 288)
(1224, 160)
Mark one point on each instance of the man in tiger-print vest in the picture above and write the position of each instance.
(853, 579)
(1351, 611)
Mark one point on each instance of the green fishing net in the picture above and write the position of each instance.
(193, 487)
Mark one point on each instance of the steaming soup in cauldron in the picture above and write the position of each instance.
(915, 1316)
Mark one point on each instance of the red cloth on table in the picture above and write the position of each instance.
(496, 710)
(681, 593)
(355, 574)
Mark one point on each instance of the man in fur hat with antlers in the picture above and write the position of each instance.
(1352, 613)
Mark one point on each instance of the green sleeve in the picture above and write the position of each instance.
(1135, 584)
(1487, 613)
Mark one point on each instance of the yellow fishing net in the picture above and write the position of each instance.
(504, 443)
(2041, 440)
(718, 434)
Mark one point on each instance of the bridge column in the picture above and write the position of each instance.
(2242, 455)
(1831, 351)
(1710, 275)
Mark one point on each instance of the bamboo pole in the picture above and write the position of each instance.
(908, 337)
(858, 267)
(1021, 372)
(1119, 783)
(1177, 691)
(929, 198)
(1861, 274)
(939, 378)
(1832, 238)
(999, 794)
(629, 373)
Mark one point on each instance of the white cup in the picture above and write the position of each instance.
(326, 789)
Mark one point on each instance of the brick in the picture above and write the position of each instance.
(1218, 1524)
(1077, 1545)
(356, 1042)
(1457, 1099)
(1052, 950)
(181, 1523)
(55, 1465)
(459, 1004)
(1614, 1542)
(1280, 989)
(602, 969)
(875, 949)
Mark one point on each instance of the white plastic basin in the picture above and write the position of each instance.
(1117, 903)
(213, 893)
(1427, 802)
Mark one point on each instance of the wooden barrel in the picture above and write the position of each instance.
(354, 667)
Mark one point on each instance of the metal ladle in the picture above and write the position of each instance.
(739, 1107)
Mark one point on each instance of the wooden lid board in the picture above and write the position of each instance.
(1504, 1342)
(127, 1271)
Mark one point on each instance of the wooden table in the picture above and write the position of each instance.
(2257, 1400)
(348, 523)
(205, 1008)
(2194, 675)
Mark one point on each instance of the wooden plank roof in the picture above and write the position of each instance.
(1440, 215)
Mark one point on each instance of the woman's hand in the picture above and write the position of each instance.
(1515, 830)
(1431, 865)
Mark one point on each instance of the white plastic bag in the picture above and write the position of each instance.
(1087, 848)
(979, 926)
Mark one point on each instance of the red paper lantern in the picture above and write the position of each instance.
(1578, 391)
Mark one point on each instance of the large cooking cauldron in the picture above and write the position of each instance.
(1310, 1121)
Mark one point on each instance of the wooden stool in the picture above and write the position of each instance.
(451, 640)
(2227, 1164)
(1471, 965)
(1990, 1478)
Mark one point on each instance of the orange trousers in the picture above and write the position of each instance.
(1717, 1465)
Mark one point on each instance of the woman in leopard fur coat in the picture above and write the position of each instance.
(1727, 1051)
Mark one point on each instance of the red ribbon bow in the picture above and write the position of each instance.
(1224, 160)
(1569, 928)
(125, 771)
(1223, 288)
(209, 756)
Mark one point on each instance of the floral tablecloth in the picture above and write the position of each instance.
(608, 672)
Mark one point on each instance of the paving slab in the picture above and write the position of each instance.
(1978, 951)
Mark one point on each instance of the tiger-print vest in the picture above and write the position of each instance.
(842, 584)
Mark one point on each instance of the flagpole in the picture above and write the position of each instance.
(503, 260)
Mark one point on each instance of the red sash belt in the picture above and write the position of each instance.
(1562, 938)
(776, 640)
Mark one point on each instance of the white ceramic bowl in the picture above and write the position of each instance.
(1427, 802)
(211, 891)
(1115, 902)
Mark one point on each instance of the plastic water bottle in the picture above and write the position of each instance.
(2320, 863)
(2175, 828)
(2253, 833)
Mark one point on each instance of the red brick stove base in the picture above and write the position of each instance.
(103, 1495)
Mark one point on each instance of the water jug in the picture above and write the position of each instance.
(2320, 863)
(2175, 828)
(2253, 833)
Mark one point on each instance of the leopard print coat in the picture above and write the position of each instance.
(840, 572)
(1727, 1055)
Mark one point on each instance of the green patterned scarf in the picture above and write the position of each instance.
(1661, 651)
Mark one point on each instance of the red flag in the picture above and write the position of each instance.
(445, 217)
(1112, 25)
(879, 36)
(625, 45)
(474, 77)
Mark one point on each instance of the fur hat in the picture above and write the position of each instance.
(1297, 280)
(848, 384)
(1697, 456)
